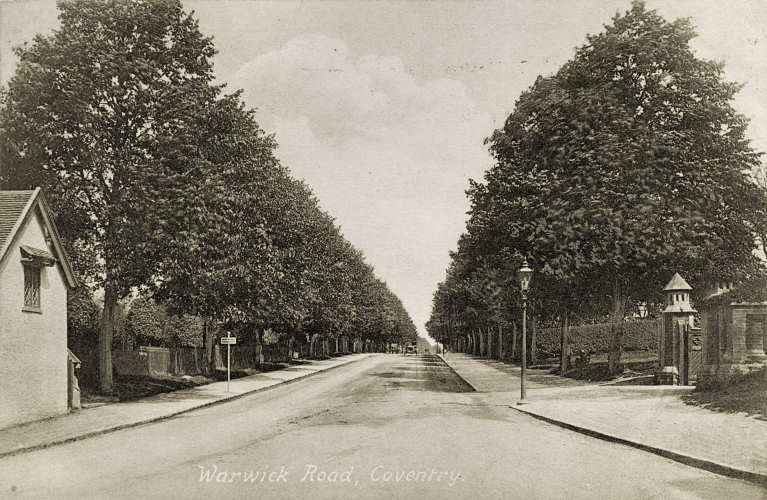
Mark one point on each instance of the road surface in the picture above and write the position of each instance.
(388, 426)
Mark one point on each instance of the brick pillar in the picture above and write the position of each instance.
(677, 318)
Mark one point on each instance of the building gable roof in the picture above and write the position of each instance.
(15, 207)
(12, 205)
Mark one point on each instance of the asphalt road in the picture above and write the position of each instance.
(385, 427)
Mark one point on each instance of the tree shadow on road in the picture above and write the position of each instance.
(424, 373)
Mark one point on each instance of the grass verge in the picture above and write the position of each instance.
(639, 371)
(132, 387)
(745, 393)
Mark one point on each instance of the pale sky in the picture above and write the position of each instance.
(382, 107)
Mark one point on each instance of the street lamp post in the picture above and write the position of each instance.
(524, 282)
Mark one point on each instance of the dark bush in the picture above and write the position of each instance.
(639, 335)
(149, 324)
(83, 317)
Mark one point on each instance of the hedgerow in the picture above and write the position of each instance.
(639, 335)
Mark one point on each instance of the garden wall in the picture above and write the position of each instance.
(164, 361)
(160, 361)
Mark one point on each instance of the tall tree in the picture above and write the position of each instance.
(254, 249)
(102, 114)
(645, 160)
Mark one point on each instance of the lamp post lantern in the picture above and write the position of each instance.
(525, 273)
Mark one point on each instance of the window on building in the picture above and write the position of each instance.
(32, 287)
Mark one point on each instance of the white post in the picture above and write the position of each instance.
(228, 361)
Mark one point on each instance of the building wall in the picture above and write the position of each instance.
(729, 328)
(736, 339)
(33, 346)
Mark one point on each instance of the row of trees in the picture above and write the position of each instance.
(164, 183)
(625, 166)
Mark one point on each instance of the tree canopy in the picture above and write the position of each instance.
(164, 184)
(627, 165)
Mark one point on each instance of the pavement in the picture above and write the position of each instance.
(649, 417)
(101, 419)
(386, 427)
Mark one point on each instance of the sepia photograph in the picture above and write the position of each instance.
(383, 249)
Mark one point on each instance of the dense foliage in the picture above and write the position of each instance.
(627, 165)
(149, 324)
(640, 335)
(162, 183)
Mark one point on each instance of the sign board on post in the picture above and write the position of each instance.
(228, 341)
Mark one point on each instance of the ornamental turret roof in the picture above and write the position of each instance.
(677, 283)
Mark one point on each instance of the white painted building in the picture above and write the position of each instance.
(35, 278)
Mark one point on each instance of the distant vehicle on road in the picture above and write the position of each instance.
(411, 349)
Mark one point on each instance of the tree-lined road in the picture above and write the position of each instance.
(389, 426)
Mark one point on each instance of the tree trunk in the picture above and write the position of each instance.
(208, 340)
(513, 340)
(480, 344)
(564, 343)
(500, 342)
(490, 343)
(616, 330)
(533, 354)
(106, 332)
(311, 347)
(493, 340)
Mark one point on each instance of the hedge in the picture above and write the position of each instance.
(638, 335)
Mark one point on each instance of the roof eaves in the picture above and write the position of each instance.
(63, 259)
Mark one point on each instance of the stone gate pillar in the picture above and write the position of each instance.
(673, 355)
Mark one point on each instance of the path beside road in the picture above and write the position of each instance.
(654, 418)
(107, 418)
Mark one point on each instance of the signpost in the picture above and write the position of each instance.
(228, 341)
